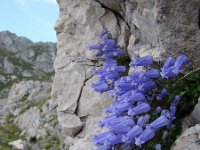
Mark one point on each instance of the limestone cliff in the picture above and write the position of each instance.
(156, 27)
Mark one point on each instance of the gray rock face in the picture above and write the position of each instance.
(196, 113)
(27, 93)
(189, 140)
(29, 121)
(143, 27)
(193, 118)
(74, 68)
(18, 144)
(164, 27)
(34, 113)
(70, 123)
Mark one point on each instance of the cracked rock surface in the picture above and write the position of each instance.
(189, 139)
(155, 27)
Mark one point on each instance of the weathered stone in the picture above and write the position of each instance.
(165, 26)
(196, 113)
(3, 102)
(25, 92)
(27, 74)
(70, 123)
(29, 121)
(2, 79)
(189, 140)
(82, 144)
(8, 66)
(18, 144)
(74, 64)
(89, 105)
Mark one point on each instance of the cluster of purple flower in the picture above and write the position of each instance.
(107, 49)
(128, 121)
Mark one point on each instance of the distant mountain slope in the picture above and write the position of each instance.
(21, 59)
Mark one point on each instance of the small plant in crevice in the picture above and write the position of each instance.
(145, 108)
(107, 49)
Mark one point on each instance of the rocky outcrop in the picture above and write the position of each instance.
(21, 59)
(162, 27)
(34, 112)
(189, 139)
(142, 27)
(25, 94)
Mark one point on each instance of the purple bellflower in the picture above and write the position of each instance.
(132, 134)
(169, 70)
(166, 113)
(165, 134)
(107, 120)
(145, 87)
(133, 94)
(173, 107)
(101, 86)
(95, 47)
(100, 139)
(162, 94)
(120, 128)
(109, 42)
(112, 141)
(142, 61)
(143, 120)
(160, 122)
(137, 97)
(153, 73)
(103, 33)
(119, 107)
(158, 147)
(169, 62)
(141, 108)
(144, 137)
(180, 61)
(157, 110)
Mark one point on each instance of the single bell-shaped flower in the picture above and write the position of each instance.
(144, 137)
(100, 139)
(153, 73)
(169, 62)
(110, 42)
(95, 47)
(162, 94)
(143, 120)
(142, 61)
(165, 135)
(112, 141)
(101, 86)
(103, 33)
(141, 108)
(180, 61)
(157, 110)
(160, 122)
(134, 132)
(158, 147)
(173, 107)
